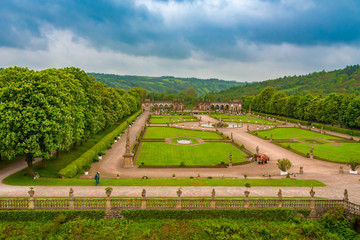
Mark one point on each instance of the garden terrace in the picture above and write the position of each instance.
(164, 119)
(244, 119)
(325, 147)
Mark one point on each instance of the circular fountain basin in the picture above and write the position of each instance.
(184, 141)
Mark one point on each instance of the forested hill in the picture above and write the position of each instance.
(167, 85)
(345, 80)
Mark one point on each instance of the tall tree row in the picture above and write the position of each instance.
(334, 109)
(55, 109)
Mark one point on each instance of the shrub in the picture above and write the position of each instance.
(284, 164)
(182, 164)
(209, 177)
(191, 177)
(49, 215)
(249, 214)
(247, 185)
(354, 164)
(242, 146)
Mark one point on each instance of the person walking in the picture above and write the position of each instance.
(97, 178)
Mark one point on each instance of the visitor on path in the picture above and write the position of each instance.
(97, 178)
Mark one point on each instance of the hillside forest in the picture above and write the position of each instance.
(165, 85)
(55, 109)
(334, 109)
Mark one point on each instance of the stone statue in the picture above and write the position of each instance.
(257, 149)
(312, 192)
(143, 193)
(346, 196)
(280, 194)
(213, 194)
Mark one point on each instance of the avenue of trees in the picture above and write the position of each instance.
(334, 109)
(56, 109)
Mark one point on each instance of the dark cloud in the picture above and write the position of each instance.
(136, 29)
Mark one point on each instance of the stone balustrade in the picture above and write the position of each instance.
(213, 202)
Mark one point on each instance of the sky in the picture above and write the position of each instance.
(242, 40)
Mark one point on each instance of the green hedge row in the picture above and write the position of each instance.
(88, 157)
(47, 215)
(279, 214)
(337, 129)
(280, 118)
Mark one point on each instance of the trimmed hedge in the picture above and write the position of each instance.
(48, 215)
(337, 129)
(279, 214)
(88, 157)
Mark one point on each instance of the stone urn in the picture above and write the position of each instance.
(31, 192)
(108, 191)
(71, 193)
(247, 192)
(312, 192)
(179, 192)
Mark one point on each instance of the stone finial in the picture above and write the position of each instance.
(71, 193)
(346, 196)
(301, 170)
(280, 194)
(341, 170)
(257, 149)
(312, 192)
(143, 193)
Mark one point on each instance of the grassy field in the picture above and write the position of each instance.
(341, 153)
(244, 119)
(209, 153)
(165, 132)
(288, 133)
(203, 181)
(163, 119)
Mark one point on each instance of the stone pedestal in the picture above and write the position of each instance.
(128, 160)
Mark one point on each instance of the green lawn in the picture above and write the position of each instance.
(203, 181)
(209, 153)
(165, 132)
(341, 153)
(244, 119)
(288, 133)
(163, 119)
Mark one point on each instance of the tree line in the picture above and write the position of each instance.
(55, 109)
(334, 109)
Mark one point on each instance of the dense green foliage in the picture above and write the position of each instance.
(250, 214)
(87, 158)
(165, 85)
(53, 109)
(334, 109)
(345, 80)
(332, 226)
(47, 215)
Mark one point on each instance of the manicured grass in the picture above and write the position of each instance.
(341, 153)
(163, 182)
(165, 132)
(288, 133)
(314, 141)
(163, 119)
(209, 153)
(243, 119)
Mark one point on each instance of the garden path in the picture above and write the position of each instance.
(314, 169)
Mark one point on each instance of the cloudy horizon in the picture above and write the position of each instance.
(242, 40)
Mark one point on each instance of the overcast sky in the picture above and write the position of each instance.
(243, 40)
